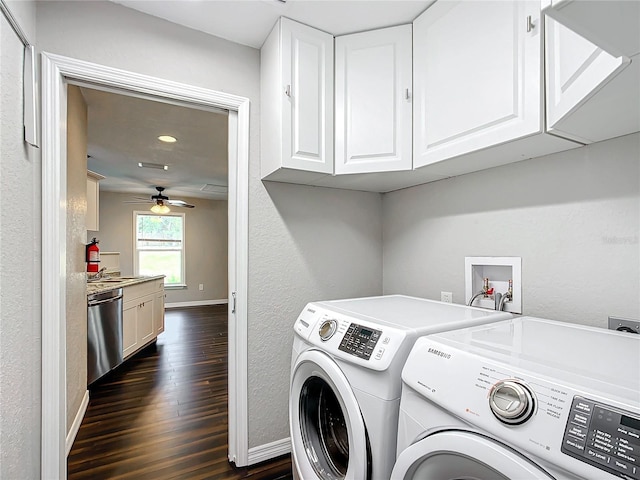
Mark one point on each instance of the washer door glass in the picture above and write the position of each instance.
(324, 429)
(458, 454)
(329, 439)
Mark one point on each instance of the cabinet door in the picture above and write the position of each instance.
(477, 76)
(129, 328)
(373, 106)
(614, 26)
(158, 312)
(307, 97)
(146, 330)
(93, 201)
(576, 71)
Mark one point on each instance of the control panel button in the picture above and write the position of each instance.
(578, 432)
(579, 418)
(574, 445)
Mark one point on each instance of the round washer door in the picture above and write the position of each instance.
(328, 435)
(455, 454)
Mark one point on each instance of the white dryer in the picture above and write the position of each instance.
(525, 398)
(345, 379)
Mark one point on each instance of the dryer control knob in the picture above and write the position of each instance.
(327, 329)
(511, 402)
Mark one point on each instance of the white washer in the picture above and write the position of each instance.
(345, 379)
(525, 398)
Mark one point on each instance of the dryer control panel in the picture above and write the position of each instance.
(605, 437)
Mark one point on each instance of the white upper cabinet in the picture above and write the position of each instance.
(479, 87)
(373, 111)
(591, 94)
(477, 76)
(93, 201)
(296, 102)
(613, 25)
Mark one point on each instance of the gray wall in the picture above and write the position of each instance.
(307, 244)
(573, 217)
(281, 254)
(19, 265)
(205, 247)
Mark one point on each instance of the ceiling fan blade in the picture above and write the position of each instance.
(137, 201)
(180, 203)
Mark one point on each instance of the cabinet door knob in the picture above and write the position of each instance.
(233, 309)
(530, 24)
(407, 95)
(287, 91)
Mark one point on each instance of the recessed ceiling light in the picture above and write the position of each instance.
(153, 165)
(167, 139)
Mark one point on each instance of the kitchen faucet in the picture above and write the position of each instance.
(98, 274)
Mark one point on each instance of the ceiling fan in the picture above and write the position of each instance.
(160, 202)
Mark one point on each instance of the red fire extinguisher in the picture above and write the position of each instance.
(93, 256)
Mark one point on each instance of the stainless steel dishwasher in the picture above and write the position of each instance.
(104, 333)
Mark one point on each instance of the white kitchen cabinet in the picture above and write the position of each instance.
(613, 25)
(142, 315)
(93, 201)
(129, 328)
(591, 94)
(158, 310)
(296, 110)
(373, 86)
(146, 330)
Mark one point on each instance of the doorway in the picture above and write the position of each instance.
(57, 73)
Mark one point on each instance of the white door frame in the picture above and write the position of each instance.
(57, 72)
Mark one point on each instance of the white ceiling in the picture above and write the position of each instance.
(249, 21)
(123, 130)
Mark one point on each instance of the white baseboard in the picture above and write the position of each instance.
(269, 451)
(75, 426)
(195, 303)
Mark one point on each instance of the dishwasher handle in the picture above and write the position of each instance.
(107, 300)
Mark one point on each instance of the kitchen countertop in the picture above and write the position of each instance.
(111, 282)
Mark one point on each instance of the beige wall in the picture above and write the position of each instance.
(76, 301)
(205, 243)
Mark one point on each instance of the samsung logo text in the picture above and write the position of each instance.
(439, 353)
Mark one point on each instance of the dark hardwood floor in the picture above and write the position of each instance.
(163, 413)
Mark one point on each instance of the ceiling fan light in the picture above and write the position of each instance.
(160, 209)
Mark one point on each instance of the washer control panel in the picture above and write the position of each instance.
(603, 436)
(352, 338)
(360, 341)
